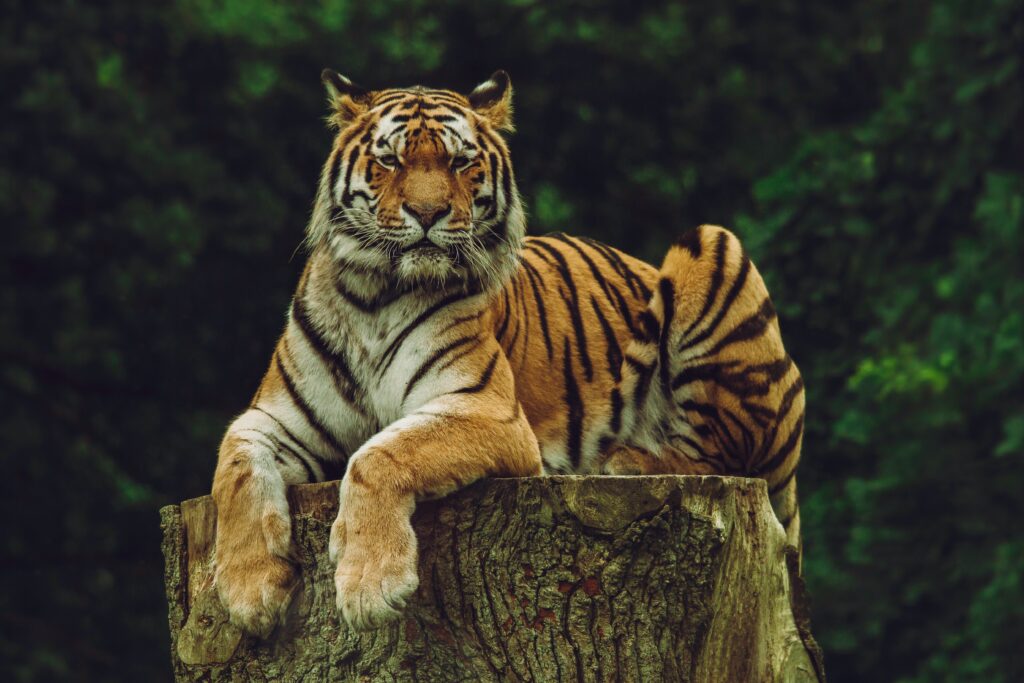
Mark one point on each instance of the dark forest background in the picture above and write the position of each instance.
(157, 165)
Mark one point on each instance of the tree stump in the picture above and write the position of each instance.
(642, 579)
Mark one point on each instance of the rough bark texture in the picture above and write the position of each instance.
(546, 579)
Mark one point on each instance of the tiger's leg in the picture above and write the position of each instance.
(787, 509)
(712, 381)
(254, 575)
(623, 460)
(448, 442)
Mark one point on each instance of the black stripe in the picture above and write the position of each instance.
(346, 196)
(690, 241)
(507, 318)
(295, 440)
(614, 352)
(626, 314)
(785, 405)
(425, 367)
(760, 414)
(616, 419)
(365, 196)
(335, 361)
(332, 173)
(613, 261)
(461, 354)
(280, 445)
(574, 404)
(389, 354)
(515, 337)
(704, 372)
(506, 185)
(634, 281)
(484, 380)
(751, 327)
(714, 423)
(531, 246)
(594, 270)
(306, 410)
(715, 426)
(388, 98)
(727, 303)
(346, 137)
(779, 486)
(387, 106)
(748, 436)
(668, 300)
(493, 158)
(524, 315)
(650, 328)
(643, 383)
(535, 277)
(444, 96)
(458, 321)
(363, 304)
(701, 453)
(368, 179)
(785, 449)
(717, 277)
(573, 307)
(266, 440)
(494, 235)
(452, 105)
(740, 380)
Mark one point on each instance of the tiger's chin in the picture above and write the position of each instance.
(429, 268)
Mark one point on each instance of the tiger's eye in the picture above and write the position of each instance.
(460, 162)
(388, 161)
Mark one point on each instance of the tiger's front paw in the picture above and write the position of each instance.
(257, 593)
(256, 585)
(376, 573)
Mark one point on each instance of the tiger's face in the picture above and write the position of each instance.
(419, 185)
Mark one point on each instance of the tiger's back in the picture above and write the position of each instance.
(564, 322)
(624, 368)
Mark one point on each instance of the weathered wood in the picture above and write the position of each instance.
(547, 579)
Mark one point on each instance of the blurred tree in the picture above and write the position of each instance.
(157, 163)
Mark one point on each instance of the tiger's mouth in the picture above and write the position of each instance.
(425, 246)
(429, 265)
(428, 250)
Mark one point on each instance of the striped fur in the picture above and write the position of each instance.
(429, 343)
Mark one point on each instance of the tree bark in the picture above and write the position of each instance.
(546, 579)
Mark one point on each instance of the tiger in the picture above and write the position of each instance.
(430, 343)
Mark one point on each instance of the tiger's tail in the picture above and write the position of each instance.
(709, 384)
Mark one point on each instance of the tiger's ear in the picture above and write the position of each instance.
(347, 100)
(492, 99)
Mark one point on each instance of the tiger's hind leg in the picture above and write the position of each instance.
(621, 460)
(710, 380)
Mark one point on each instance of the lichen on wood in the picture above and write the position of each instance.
(546, 579)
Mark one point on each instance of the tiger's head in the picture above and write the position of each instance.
(419, 185)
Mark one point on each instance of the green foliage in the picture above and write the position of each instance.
(157, 161)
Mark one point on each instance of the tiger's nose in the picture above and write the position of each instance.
(427, 214)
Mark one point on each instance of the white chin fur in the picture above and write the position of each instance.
(427, 268)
